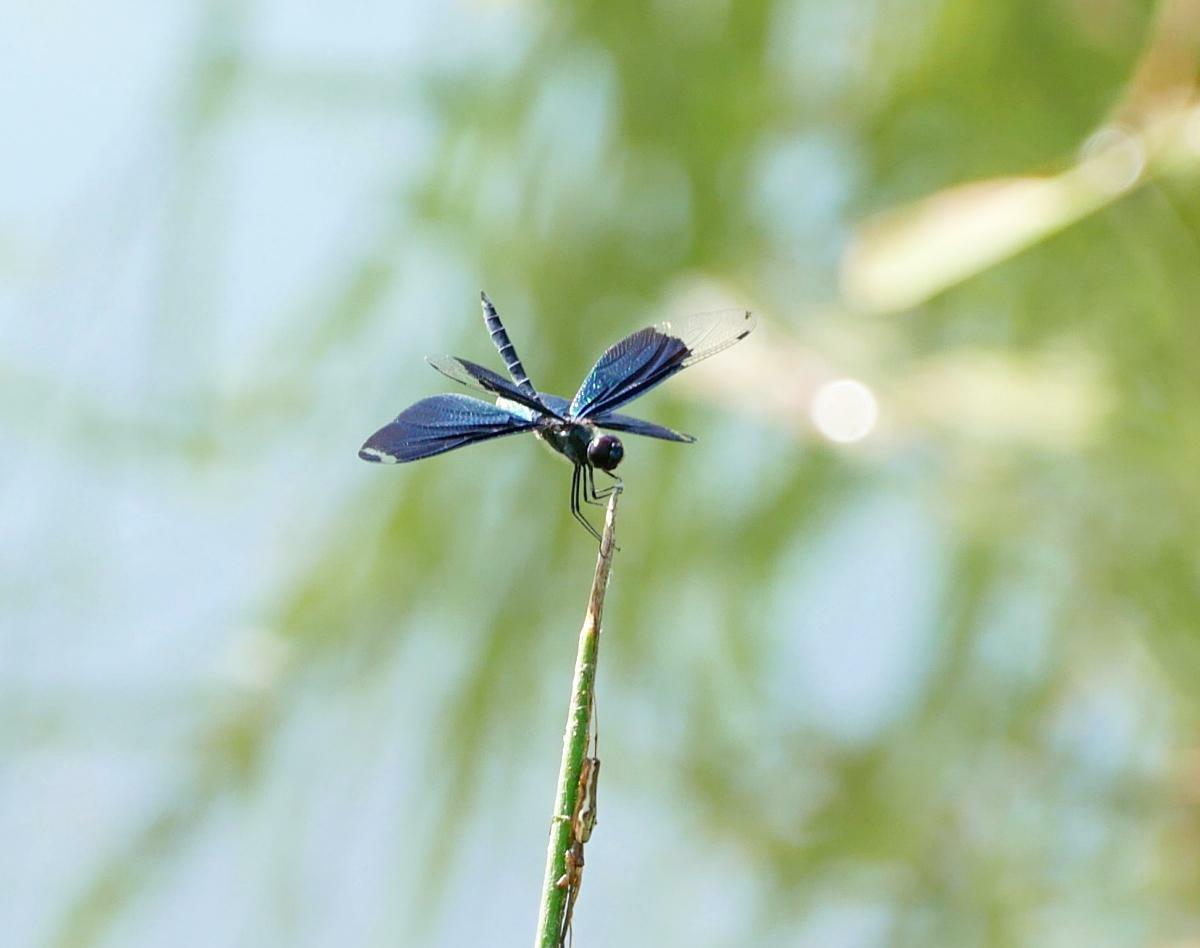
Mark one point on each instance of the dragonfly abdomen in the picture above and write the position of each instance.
(507, 350)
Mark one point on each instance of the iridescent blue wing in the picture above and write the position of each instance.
(556, 403)
(650, 356)
(649, 429)
(438, 424)
(484, 379)
(617, 422)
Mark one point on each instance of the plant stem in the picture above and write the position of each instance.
(575, 743)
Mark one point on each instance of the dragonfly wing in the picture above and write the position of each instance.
(616, 422)
(438, 424)
(556, 403)
(652, 355)
(484, 379)
(649, 429)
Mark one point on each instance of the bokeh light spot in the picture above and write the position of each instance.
(844, 410)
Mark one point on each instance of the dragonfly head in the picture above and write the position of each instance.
(605, 452)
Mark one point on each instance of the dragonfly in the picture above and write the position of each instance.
(576, 429)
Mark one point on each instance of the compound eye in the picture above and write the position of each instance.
(605, 452)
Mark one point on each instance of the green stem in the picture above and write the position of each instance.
(575, 743)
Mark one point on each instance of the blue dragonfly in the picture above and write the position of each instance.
(576, 429)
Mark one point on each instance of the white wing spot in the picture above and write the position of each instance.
(379, 456)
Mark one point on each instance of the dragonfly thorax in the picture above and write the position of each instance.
(582, 444)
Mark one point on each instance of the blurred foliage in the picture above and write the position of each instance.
(1033, 779)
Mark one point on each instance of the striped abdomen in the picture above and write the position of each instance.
(504, 345)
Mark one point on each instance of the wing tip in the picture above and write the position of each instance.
(374, 455)
(750, 321)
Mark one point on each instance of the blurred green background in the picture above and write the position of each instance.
(903, 651)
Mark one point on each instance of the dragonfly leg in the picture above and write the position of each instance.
(587, 482)
(599, 495)
(589, 488)
(577, 488)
